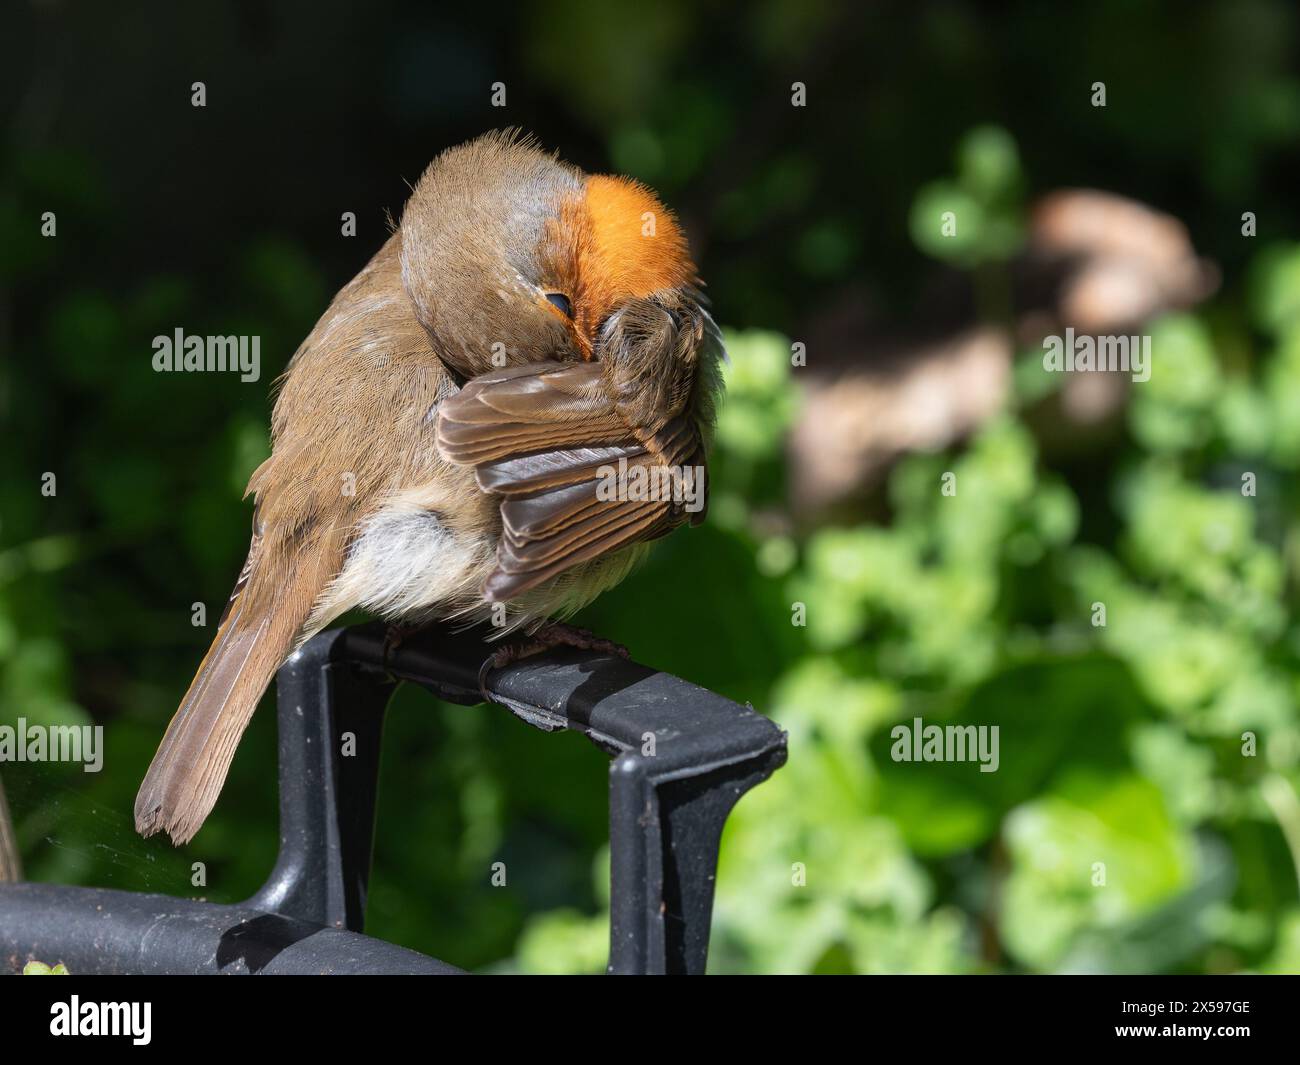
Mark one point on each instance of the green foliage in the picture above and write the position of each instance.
(974, 216)
(39, 968)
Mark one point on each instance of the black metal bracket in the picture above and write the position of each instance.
(682, 757)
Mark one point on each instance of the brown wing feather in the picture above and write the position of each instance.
(516, 410)
(541, 436)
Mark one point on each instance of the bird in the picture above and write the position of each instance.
(442, 441)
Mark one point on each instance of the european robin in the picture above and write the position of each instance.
(444, 439)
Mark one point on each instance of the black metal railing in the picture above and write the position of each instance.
(666, 813)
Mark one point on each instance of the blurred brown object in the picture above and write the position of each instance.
(853, 427)
(1120, 264)
(11, 869)
(1125, 262)
(1097, 262)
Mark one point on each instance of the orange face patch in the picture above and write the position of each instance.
(631, 246)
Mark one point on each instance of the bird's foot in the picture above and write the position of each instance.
(558, 634)
(549, 636)
(396, 633)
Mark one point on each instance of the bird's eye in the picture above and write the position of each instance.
(561, 301)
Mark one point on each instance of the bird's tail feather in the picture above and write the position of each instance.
(187, 773)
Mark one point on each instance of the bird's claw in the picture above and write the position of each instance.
(549, 636)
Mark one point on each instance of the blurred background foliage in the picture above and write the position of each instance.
(1120, 743)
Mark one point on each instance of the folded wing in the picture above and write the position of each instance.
(576, 480)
